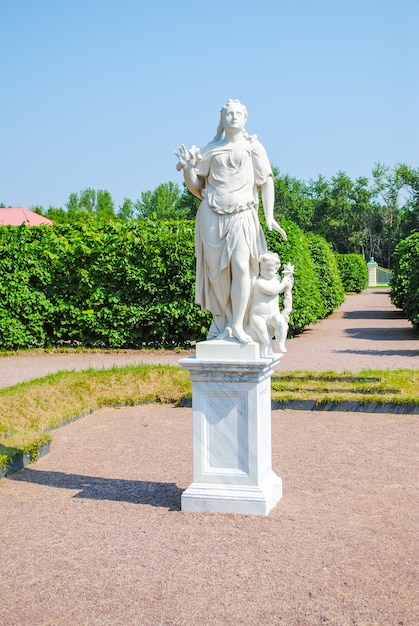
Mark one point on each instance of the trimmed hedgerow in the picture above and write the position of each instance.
(353, 271)
(24, 305)
(330, 283)
(128, 284)
(308, 306)
(112, 284)
(405, 282)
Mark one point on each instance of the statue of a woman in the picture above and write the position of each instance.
(227, 175)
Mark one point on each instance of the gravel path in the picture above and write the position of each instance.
(92, 534)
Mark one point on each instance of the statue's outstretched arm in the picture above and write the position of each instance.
(268, 197)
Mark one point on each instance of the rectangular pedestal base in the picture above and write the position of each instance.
(246, 500)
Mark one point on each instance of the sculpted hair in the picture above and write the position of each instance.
(270, 256)
(220, 130)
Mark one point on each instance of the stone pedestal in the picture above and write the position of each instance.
(231, 404)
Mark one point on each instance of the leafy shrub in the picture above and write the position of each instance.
(308, 305)
(132, 285)
(24, 305)
(116, 284)
(125, 284)
(353, 271)
(330, 282)
(405, 283)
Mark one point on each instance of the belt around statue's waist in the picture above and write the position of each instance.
(236, 208)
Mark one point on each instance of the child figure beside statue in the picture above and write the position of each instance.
(266, 321)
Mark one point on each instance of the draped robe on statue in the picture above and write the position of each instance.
(231, 175)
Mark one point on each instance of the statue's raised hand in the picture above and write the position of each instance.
(186, 157)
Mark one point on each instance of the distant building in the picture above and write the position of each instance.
(18, 215)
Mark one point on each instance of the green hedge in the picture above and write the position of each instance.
(405, 282)
(25, 272)
(308, 306)
(127, 284)
(353, 271)
(330, 282)
(130, 284)
(100, 285)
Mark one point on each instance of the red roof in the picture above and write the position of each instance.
(17, 215)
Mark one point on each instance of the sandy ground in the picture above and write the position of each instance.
(93, 534)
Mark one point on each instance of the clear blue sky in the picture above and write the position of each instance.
(99, 93)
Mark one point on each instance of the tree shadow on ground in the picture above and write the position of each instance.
(165, 495)
(408, 353)
(371, 315)
(383, 334)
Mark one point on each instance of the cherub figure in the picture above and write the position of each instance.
(265, 319)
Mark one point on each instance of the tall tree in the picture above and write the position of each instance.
(293, 201)
(38, 209)
(343, 213)
(104, 208)
(386, 190)
(410, 210)
(73, 206)
(90, 204)
(162, 203)
(126, 210)
(57, 215)
(332, 214)
(188, 204)
(361, 230)
(87, 201)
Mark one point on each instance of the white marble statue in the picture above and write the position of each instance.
(227, 175)
(265, 319)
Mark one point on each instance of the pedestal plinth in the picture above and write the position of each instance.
(231, 406)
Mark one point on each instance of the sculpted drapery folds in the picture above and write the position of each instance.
(227, 175)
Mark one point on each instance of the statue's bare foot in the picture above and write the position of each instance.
(238, 333)
(282, 347)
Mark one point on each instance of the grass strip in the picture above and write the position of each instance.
(382, 386)
(30, 410)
